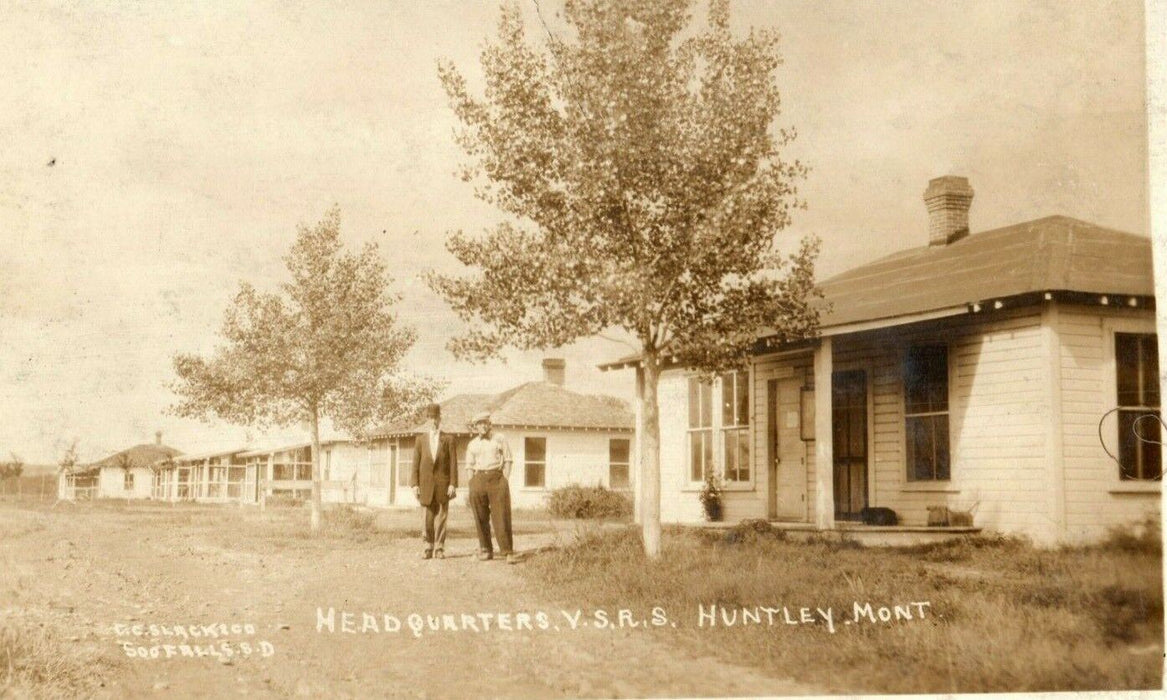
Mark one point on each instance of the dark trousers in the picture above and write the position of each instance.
(434, 529)
(490, 499)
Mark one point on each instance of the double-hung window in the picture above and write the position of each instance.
(735, 426)
(700, 428)
(1137, 372)
(926, 413)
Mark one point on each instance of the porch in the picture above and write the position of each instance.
(866, 535)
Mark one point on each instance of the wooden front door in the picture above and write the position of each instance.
(849, 429)
(787, 453)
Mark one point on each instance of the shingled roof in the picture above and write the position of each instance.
(1056, 254)
(529, 405)
(1053, 254)
(143, 455)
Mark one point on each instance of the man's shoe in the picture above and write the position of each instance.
(427, 554)
(439, 554)
(485, 556)
(512, 558)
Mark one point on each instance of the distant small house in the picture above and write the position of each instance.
(1006, 372)
(125, 474)
(557, 437)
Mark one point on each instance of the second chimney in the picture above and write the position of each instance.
(158, 437)
(554, 369)
(948, 199)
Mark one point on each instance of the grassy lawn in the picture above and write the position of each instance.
(1003, 615)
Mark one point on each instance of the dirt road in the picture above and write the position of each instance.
(93, 572)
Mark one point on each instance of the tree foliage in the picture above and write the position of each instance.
(642, 178)
(329, 345)
(645, 184)
(12, 469)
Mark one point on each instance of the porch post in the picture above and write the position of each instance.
(634, 461)
(824, 449)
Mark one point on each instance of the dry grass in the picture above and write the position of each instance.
(36, 660)
(1005, 616)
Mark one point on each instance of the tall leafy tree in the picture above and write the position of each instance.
(641, 172)
(329, 345)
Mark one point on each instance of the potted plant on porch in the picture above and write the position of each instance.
(710, 497)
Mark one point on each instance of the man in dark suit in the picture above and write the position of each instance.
(434, 480)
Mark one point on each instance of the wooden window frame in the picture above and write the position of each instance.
(909, 468)
(626, 464)
(528, 463)
(706, 431)
(1112, 329)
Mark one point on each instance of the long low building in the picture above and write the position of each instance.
(557, 437)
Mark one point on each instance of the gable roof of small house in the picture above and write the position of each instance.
(144, 455)
(1055, 255)
(529, 405)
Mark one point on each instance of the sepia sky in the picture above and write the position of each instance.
(155, 154)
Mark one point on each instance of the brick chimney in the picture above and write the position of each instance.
(948, 199)
(554, 370)
(158, 437)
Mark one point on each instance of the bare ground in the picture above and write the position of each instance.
(80, 569)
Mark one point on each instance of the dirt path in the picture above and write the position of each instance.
(92, 568)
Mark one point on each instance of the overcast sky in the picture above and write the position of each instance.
(155, 154)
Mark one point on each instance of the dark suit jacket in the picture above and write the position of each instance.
(434, 474)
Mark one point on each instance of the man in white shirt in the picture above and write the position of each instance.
(488, 459)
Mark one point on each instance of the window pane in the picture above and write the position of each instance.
(1150, 370)
(729, 451)
(940, 443)
(618, 476)
(1139, 453)
(535, 449)
(1126, 354)
(743, 398)
(706, 404)
(533, 475)
(926, 379)
(707, 439)
(618, 450)
(695, 452)
(727, 400)
(743, 442)
(694, 403)
(919, 443)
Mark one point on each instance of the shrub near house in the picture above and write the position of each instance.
(588, 503)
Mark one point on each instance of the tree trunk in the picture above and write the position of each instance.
(649, 433)
(315, 472)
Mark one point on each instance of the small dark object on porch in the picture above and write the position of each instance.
(879, 516)
(938, 516)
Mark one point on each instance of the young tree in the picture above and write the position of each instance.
(329, 346)
(12, 469)
(643, 180)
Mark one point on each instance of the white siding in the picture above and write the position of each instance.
(111, 483)
(999, 411)
(1095, 498)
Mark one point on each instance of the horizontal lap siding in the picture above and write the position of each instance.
(998, 418)
(1090, 474)
(678, 500)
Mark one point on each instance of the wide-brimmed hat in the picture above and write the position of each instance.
(481, 417)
